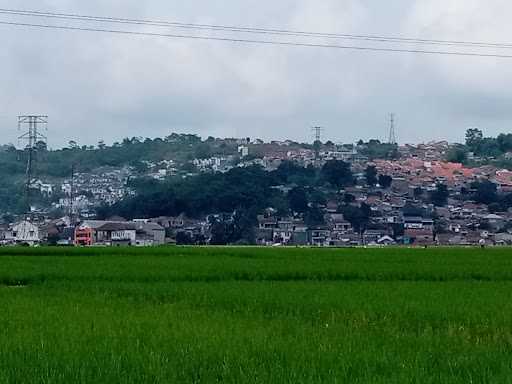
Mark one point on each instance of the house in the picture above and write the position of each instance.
(418, 222)
(117, 233)
(470, 238)
(337, 223)
(372, 236)
(300, 235)
(264, 236)
(24, 232)
(319, 237)
(418, 236)
(283, 232)
(267, 222)
(86, 233)
(386, 240)
(173, 223)
(149, 234)
(496, 222)
(96, 232)
(503, 239)
(346, 240)
(4, 228)
(332, 206)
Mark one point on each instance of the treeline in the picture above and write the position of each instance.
(249, 188)
(129, 152)
(482, 147)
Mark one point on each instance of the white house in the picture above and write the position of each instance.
(24, 232)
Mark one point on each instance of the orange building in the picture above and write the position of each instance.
(84, 237)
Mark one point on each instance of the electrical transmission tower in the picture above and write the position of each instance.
(32, 127)
(392, 130)
(317, 131)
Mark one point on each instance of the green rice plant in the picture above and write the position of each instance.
(251, 315)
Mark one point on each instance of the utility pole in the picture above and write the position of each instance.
(392, 130)
(72, 196)
(32, 126)
(317, 131)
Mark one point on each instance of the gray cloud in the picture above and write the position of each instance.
(101, 86)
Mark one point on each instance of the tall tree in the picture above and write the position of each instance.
(337, 173)
(298, 200)
(440, 196)
(473, 138)
(371, 175)
(359, 217)
(385, 181)
(486, 192)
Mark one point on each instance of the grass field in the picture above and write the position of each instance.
(247, 315)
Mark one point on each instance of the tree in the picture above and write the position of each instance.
(314, 217)
(473, 138)
(337, 173)
(507, 201)
(189, 167)
(244, 223)
(457, 154)
(495, 207)
(505, 142)
(8, 218)
(222, 231)
(72, 144)
(203, 151)
(349, 198)
(290, 172)
(385, 181)
(440, 225)
(371, 175)
(440, 196)
(41, 146)
(358, 217)
(412, 210)
(486, 192)
(374, 149)
(418, 192)
(298, 200)
(184, 238)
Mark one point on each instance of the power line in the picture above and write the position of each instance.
(253, 41)
(160, 23)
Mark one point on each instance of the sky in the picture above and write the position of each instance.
(98, 86)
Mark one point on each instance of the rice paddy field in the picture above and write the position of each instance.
(249, 315)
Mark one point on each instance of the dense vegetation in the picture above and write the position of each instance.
(241, 194)
(244, 315)
(130, 152)
(488, 150)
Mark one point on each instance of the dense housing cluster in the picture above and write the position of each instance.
(186, 190)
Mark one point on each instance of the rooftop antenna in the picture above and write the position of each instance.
(32, 127)
(392, 130)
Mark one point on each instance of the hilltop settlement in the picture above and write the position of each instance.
(188, 191)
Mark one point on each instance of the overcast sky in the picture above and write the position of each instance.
(104, 86)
